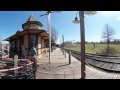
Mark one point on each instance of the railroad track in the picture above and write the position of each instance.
(111, 63)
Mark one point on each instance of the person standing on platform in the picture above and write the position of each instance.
(33, 53)
(23, 52)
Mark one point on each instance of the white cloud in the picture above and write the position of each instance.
(111, 14)
(107, 13)
(118, 18)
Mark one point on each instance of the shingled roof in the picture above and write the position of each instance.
(31, 18)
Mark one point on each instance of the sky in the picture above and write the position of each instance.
(11, 21)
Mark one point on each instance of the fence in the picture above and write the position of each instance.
(64, 51)
(108, 63)
(17, 68)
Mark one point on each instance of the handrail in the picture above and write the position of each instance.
(11, 69)
(102, 62)
(98, 56)
(13, 59)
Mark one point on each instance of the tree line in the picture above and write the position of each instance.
(107, 37)
(115, 41)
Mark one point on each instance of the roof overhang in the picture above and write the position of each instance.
(27, 31)
(32, 22)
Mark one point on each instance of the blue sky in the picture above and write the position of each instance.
(11, 21)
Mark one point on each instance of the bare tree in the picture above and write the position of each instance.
(54, 33)
(108, 33)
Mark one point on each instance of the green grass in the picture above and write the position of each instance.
(100, 48)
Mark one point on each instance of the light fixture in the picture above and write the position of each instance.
(90, 12)
(76, 21)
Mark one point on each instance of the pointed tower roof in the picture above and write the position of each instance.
(31, 18)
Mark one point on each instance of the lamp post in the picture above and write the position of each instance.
(82, 31)
(49, 29)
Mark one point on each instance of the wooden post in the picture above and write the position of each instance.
(69, 57)
(82, 31)
(2, 48)
(8, 51)
(65, 54)
(2, 51)
(15, 64)
(63, 51)
(63, 43)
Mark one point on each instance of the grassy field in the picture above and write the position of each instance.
(99, 48)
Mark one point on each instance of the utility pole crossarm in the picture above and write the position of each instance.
(43, 15)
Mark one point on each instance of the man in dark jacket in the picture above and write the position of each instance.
(33, 53)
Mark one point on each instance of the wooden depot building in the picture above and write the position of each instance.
(32, 33)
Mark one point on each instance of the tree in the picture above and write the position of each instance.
(54, 33)
(116, 41)
(77, 42)
(108, 33)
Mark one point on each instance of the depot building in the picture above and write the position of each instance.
(32, 33)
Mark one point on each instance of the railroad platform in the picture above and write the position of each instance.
(61, 69)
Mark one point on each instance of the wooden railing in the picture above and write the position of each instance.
(108, 63)
(17, 68)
